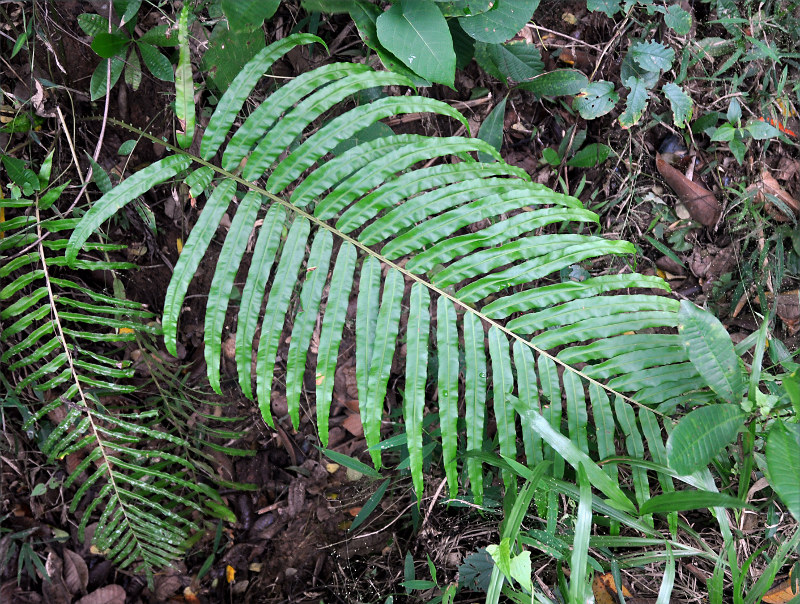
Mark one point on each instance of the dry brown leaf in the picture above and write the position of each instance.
(767, 185)
(701, 203)
(76, 573)
(788, 308)
(55, 590)
(781, 594)
(110, 594)
(167, 586)
(352, 423)
(605, 590)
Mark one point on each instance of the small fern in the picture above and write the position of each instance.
(60, 340)
(420, 211)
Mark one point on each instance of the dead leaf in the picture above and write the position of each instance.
(788, 308)
(783, 593)
(701, 203)
(768, 186)
(110, 594)
(167, 586)
(605, 590)
(352, 423)
(76, 573)
(55, 590)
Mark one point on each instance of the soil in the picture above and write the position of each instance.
(291, 541)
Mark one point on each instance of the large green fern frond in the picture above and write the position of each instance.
(420, 221)
(60, 346)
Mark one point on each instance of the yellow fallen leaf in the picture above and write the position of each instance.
(179, 244)
(230, 574)
(783, 593)
(605, 590)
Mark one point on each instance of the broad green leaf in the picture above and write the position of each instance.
(184, 85)
(561, 82)
(652, 56)
(23, 177)
(724, 133)
(678, 19)
(417, 34)
(380, 365)
(783, 463)
(597, 99)
(501, 22)
(310, 296)
(701, 435)
(474, 398)
(491, 129)
(447, 352)
(734, 114)
(609, 7)
(761, 130)
(92, 24)
(681, 501)
(108, 45)
(416, 378)
(327, 6)
(331, 334)
(635, 104)
(128, 8)
(229, 50)
(156, 62)
(112, 202)
(97, 85)
(365, 16)
(711, 351)
(680, 103)
(159, 35)
(133, 69)
(516, 60)
(127, 147)
(248, 15)
(591, 155)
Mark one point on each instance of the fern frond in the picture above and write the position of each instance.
(479, 239)
(60, 343)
